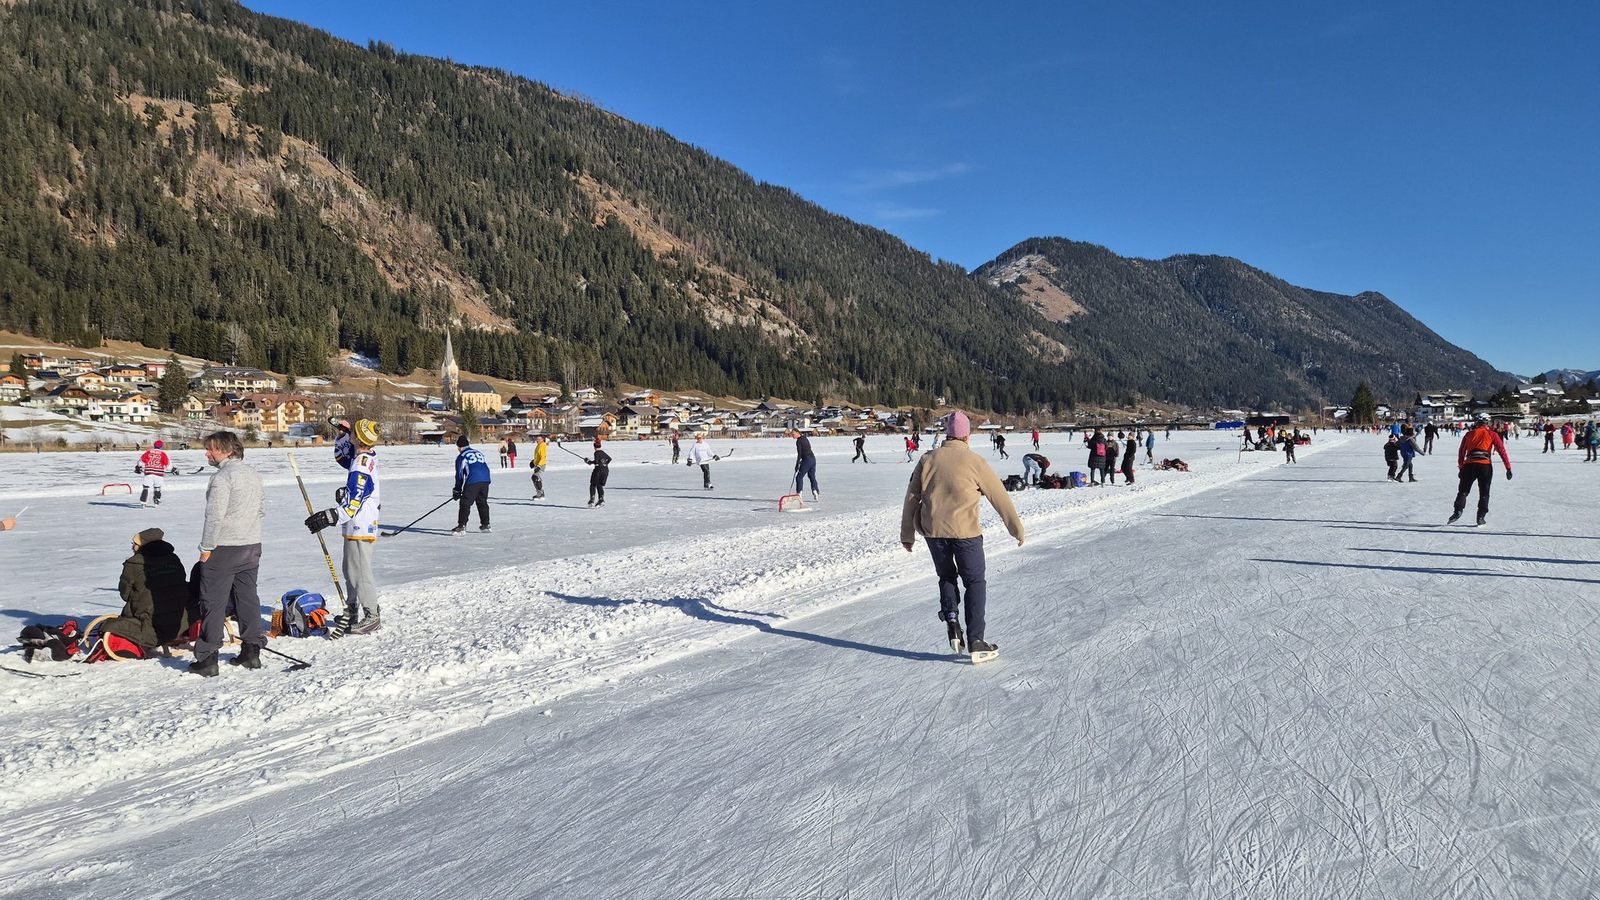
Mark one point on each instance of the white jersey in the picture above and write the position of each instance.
(700, 453)
(358, 515)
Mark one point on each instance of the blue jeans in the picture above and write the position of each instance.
(806, 469)
(960, 558)
(1031, 471)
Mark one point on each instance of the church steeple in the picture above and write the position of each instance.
(449, 375)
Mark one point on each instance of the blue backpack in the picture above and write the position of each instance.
(304, 614)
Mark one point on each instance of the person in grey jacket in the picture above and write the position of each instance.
(230, 556)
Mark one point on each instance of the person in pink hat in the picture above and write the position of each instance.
(942, 505)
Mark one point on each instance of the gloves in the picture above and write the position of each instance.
(138, 468)
(320, 520)
(455, 495)
(1508, 474)
(588, 460)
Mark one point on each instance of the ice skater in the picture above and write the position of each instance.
(1391, 456)
(154, 465)
(861, 449)
(541, 458)
(601, 460)
(1408, 453)
(805, 464)
(700, 455)
(472, 486)
(941, 504)
(1475, 460)
(356, 514)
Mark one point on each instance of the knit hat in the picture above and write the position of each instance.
(957, 426)
(159, 444)
(462, 441)
(149, 536)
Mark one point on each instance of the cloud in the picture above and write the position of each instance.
(894, 212)
(871, 182)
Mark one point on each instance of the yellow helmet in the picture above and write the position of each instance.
(366, 432)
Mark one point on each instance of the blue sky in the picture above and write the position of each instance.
(1446, 154)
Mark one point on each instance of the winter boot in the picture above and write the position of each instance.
(368, 625)
(982, 651)
(158, 496)
(205, 667)
(459, 530)
(144, 496)
(249, 656)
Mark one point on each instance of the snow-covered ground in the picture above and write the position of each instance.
(1248, 680)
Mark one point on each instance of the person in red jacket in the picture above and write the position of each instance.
(154, 466)
(1475, 460)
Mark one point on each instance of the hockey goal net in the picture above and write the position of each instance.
(792, 503)
(122, 486)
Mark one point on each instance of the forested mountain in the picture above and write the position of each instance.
(194, 175)
(1212, 330)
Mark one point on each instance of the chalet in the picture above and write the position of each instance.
(154, 371)
(642, 398)
(89, 381)
(234, 378)
(12, 387)
(480, 396)
(1442, 406)
(64, 396)
(127, 408)
(280, 412)
(66, 365)
(242, 415)
(194, 409)
(586, 395)
(637, 419)
(118, 373)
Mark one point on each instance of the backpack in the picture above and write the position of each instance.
(304, 614)
(1014, 483)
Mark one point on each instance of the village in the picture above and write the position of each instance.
(83, 388)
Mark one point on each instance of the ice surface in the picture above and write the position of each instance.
(1251, 680)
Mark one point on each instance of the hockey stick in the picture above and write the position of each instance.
(416, 520)
(564, 447)
(298, 663)
(326, 556)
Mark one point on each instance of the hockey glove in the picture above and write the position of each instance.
(320, 520)
(455, 495)
(138, 468)
(1508, 474)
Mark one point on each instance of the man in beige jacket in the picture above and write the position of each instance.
(942, 506)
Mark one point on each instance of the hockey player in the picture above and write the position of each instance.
(941, 504)
(472, 486)
(861, 449)
(1475, 459)
(356, 514)
(700, 455)
(805, 464)
(541, 458)
(601, 460)
(1000, 445)
(154, 466)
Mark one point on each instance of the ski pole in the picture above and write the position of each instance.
(326, 556)
(298, 663)
(416, 520)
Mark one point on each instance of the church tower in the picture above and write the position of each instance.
(449, 376)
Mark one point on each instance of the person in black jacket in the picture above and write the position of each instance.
(1097, 456)
(1128, 453)
(601, 460)
(1391, 455)
(155, 593)
(805, 464)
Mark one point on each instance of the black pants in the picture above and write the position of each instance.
(597, 485)
(474, 494)
(1549, 443)
(1394, 465)
(1427, 445)
(1483, 476)
(538, 480)
(705, 474)
(860, 454)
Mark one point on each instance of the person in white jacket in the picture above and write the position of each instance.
(357, 518)
(700, 455)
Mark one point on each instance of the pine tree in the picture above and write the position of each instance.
(173, 388)
(17, 368)
(1363, 408)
